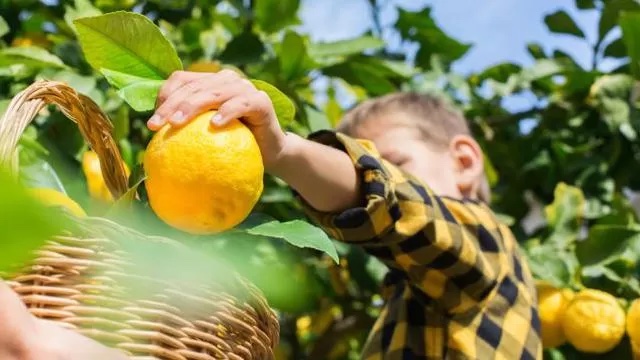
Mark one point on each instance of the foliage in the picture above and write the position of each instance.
(575, 160)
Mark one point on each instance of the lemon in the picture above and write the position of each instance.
(633, 326)
(552, 303)
(201, 178)
(93, 173)
(51, 197)
(594, 321)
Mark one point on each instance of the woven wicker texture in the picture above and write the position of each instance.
(76, 279)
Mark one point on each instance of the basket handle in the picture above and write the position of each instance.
(93, 123)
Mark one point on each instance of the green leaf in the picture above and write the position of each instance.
(140, 93)
(500, 72)
(318, 120)
(611, 14)
(294, 61)
(553, 265)
(4, 27)
(491, 172)
(609, 94)
(171, 4)
(585, 4)
(420, 27)
(125, 202)
(26, 224)
(128, 43)
(81, 8)
(274, 15)
(366, 270)
(298, 233)
(542, 69)
(285, 109)
(27, 60)
(141, 96)
(630, 24)
(40, 174)
(565, 214)
(345, 47)
(34, 170)
(605, 241)
(332, 109)
(370, 73)
(536, 51)
(119, 79)
(616, 49)
(243, 49)
(560, 22)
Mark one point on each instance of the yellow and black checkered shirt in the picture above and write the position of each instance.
(458, 287)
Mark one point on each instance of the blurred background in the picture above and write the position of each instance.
(549, 87)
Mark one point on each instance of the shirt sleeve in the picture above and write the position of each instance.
(449, 249)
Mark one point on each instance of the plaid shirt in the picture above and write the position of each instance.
(458, 287)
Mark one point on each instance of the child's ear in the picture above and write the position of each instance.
(469, 161)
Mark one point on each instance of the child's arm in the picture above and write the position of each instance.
(323, 176)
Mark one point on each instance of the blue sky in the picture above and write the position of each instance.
(498, 29)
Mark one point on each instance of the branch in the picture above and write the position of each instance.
(375, 14)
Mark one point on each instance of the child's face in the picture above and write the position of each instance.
(449, 171)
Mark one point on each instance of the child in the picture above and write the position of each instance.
(413, 195)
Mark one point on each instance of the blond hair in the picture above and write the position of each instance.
(437, 121)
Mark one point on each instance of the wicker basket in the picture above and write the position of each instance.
(75, 279)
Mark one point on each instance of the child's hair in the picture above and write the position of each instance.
(436, 120)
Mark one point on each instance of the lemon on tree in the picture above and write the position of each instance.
(54, 198)
(202, 178)
(633, 327)
(594, 321)
(552, 303)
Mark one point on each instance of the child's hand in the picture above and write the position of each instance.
(188, 94)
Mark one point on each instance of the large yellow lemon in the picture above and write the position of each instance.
(594, 322)
(201, 178)
(51, 197)
(633, 327)
(552, 303)
(95, 181)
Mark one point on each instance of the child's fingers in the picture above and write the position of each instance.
(182, 84)
(211, 97)
(195, 98)
(251, 107)
(175, 81)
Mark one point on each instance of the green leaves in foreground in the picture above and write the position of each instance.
(26, 224)
(298, 233)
